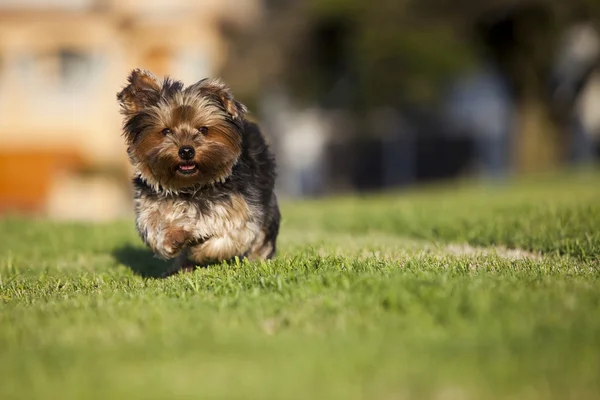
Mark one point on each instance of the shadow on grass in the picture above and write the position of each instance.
(141, 261)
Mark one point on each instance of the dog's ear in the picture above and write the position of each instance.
(216, 88)
(142, 90)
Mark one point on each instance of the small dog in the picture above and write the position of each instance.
(204, 175)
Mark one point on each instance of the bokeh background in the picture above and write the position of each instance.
(353, 95)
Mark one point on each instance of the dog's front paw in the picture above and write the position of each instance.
(174, 239)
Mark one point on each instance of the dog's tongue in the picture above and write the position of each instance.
(187, 167)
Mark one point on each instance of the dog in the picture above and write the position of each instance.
(204, 175)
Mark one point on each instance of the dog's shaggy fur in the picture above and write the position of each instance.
(204, 175)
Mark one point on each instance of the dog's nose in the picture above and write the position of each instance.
(187, 152)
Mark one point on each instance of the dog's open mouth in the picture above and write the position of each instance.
(187, 169)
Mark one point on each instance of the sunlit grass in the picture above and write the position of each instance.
(466, 292)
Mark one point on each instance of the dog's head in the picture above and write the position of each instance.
(180, 137)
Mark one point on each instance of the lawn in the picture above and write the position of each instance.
(445, 292)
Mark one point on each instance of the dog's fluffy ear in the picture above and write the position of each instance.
(216, 88)
(142, 90)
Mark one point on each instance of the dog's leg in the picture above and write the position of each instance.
(182, 263)
(265, 245)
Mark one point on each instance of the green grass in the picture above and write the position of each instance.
(371, 297)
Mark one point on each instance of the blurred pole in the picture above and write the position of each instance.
(480, 105)
(399, 158)
(582, 146)
(495, 142)
(397, 147)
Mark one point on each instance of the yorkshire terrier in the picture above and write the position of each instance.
(204, 174)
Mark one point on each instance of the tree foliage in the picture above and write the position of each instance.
(363, 54)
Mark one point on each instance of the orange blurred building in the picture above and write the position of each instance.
(61, 65)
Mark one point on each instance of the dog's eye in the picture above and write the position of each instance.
(203, 130)
(166, 131)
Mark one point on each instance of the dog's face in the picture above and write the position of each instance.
(180, 137)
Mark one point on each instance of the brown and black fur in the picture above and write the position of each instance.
(218, 205)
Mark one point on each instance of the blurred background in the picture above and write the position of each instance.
(353, 95)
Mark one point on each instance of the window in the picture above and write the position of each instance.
(74, 68)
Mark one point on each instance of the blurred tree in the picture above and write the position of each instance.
(385, 54)
(358, 55)
(520, 37)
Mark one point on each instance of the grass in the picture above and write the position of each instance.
(398, 295)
